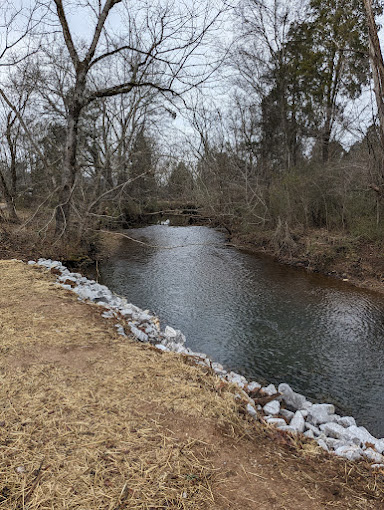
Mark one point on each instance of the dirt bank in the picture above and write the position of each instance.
(91, 420)
(29, 243)
(356, 260)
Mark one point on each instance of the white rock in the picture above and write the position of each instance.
(120, 330)
(312, 428)
(277, 422)
(333, 444)
(174, 335)
(377, 466)
(290, 397)
(298, 422)
(201, 357)
(373, 456)
(310, 434)
(285, 413)
(67, 277)
(161, 347)
(322, 444)
(270, 389)
(217, 367)
(182, 350)
(145, 317)
(84, 293)
(287, 428)
(346, 421)
(361, 434)
(333, 430)
(140, 335)
(350, 452)
(272, 407)
(252, 411)
(321, 413)
(128, 310)
(237, 379)
(379, 445)
(252, 386)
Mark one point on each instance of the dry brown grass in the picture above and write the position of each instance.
(79, 419)
(70, 446)
(92, 421)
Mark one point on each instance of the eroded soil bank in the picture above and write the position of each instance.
(357, 260)
(91, 420)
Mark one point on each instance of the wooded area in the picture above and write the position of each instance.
(266, 114)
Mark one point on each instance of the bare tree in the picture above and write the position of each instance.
(158, 50)
(16, 26)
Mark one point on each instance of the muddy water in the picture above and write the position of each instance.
(266, 321)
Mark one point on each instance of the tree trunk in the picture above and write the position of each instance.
(377, 65)
(326, 136)
(63, 209)
(8, 199)
(108, 173)
(325, 146)
(12, 150)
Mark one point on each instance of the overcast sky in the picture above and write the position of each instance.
(82, 27)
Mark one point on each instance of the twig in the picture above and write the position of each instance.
(157, 246)
(25, 497)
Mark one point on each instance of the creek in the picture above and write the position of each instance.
(267, 321)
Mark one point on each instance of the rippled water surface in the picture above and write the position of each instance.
(269, 322)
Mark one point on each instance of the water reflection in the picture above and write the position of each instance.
(264, 320)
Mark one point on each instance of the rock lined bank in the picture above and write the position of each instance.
(279, 407)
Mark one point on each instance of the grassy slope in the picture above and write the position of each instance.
(91, 420)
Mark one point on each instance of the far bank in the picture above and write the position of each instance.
(356, 259)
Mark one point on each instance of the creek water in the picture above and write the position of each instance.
(264, 320)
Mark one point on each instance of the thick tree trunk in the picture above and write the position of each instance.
(70, 170)
(293, 136)
(12, 150)
(378, 88)
(63, 210)
(325, 145)
(8, 199)
(76, 104)
(108, 174)
(377, 65)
